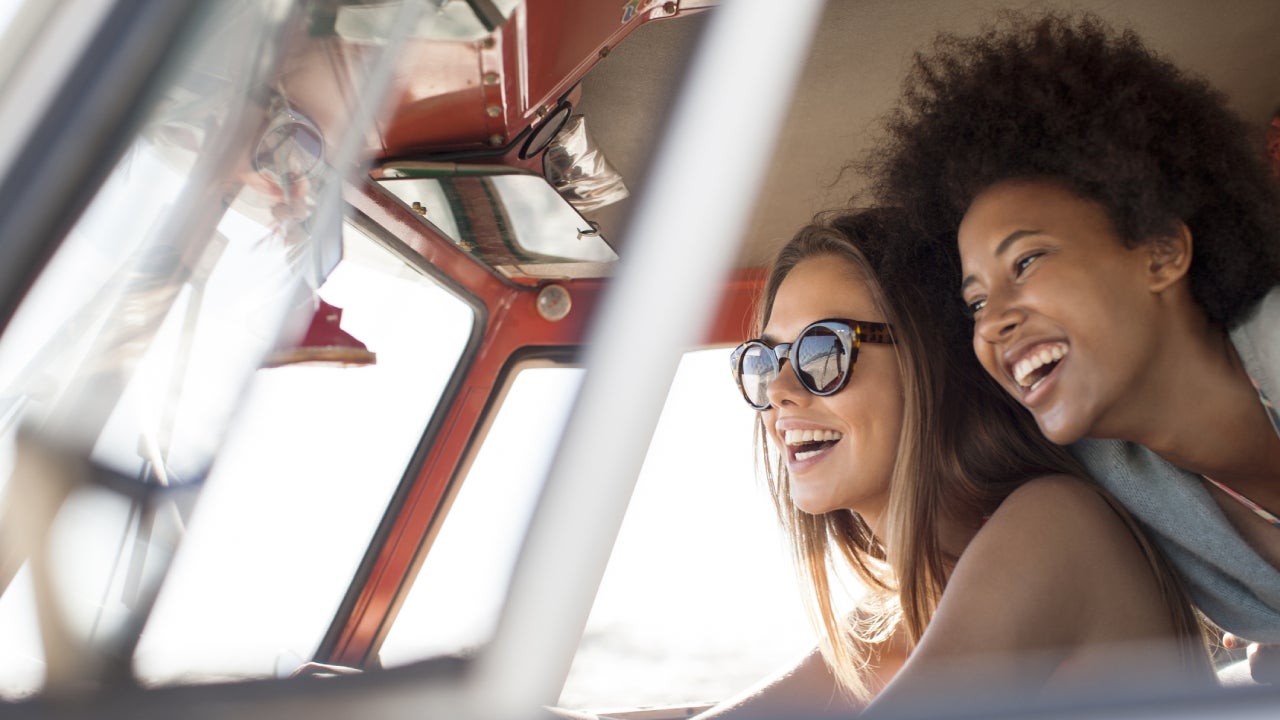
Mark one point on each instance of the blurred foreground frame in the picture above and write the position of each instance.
(96, 680)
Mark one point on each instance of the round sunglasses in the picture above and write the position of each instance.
(822, 356)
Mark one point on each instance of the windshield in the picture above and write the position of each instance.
(215, 247)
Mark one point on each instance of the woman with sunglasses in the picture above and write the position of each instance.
(990, 565)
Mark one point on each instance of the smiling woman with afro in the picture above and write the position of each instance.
(1118, 235)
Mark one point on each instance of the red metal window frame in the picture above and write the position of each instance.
(512, 326)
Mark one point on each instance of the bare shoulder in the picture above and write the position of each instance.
(1052, 503)
(1041, 593)
(1047, 493)
(1047, 568)
(1055, 529)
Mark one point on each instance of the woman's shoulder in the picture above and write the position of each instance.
(1061, 487)
(1045, 570)
(1041, 594)
(1060, 529)
(1055, 503)
(1068, 551)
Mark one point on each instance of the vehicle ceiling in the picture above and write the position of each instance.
(859, 58)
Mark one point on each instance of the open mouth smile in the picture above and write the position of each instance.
(1035, 366)
(808, 444)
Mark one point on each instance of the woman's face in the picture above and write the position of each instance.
(1064, 317)
(861, 422)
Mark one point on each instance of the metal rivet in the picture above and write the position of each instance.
(488, 43)
(493, 110)
(491, 78)
(669, 8)
(604, 51)
(418, 208)
(496, 140)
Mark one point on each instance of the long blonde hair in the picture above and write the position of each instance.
(964, 446)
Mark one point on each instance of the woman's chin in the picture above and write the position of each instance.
(1059, 430)
(816, 499)
(812, 503)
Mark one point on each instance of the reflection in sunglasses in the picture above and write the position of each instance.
(822, 358)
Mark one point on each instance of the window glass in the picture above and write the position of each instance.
(454, 603)
(67, 368)
(699, 599)
(122, 365)
(306, 475)
(504, 219)
(133, 363)
(283, 520)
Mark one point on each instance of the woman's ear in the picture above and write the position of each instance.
(1169, 257)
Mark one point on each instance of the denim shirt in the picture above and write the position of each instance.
(1227, 579)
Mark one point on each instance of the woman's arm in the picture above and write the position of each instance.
(809, 689)
(805, 689)
(1052, 594)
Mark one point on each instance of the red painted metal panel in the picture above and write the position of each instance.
(443, 98)
(734, 316)
(476, 96)
(567, 37)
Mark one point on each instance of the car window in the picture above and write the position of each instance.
(282, 521)
(454, 602)
(158, 485)
(306, 477)
(699, 599)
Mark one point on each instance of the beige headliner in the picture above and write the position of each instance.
(854, 76)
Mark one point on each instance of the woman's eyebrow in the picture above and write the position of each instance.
(1013, 237)
(1003, 247)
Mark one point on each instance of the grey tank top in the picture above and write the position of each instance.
(1230, 582)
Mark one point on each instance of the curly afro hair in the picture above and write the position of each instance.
(1070, 100)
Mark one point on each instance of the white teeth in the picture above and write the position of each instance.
(796, 437)
(1023, 368)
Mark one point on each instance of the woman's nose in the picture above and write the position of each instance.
(999, 319)
(786, 388)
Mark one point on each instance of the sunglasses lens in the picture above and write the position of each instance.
(821, 359)
(758, 367)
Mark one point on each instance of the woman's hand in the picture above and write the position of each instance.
(315, 669)
(1264, 660)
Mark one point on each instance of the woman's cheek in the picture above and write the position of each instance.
(768, 417)
(986, 358)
